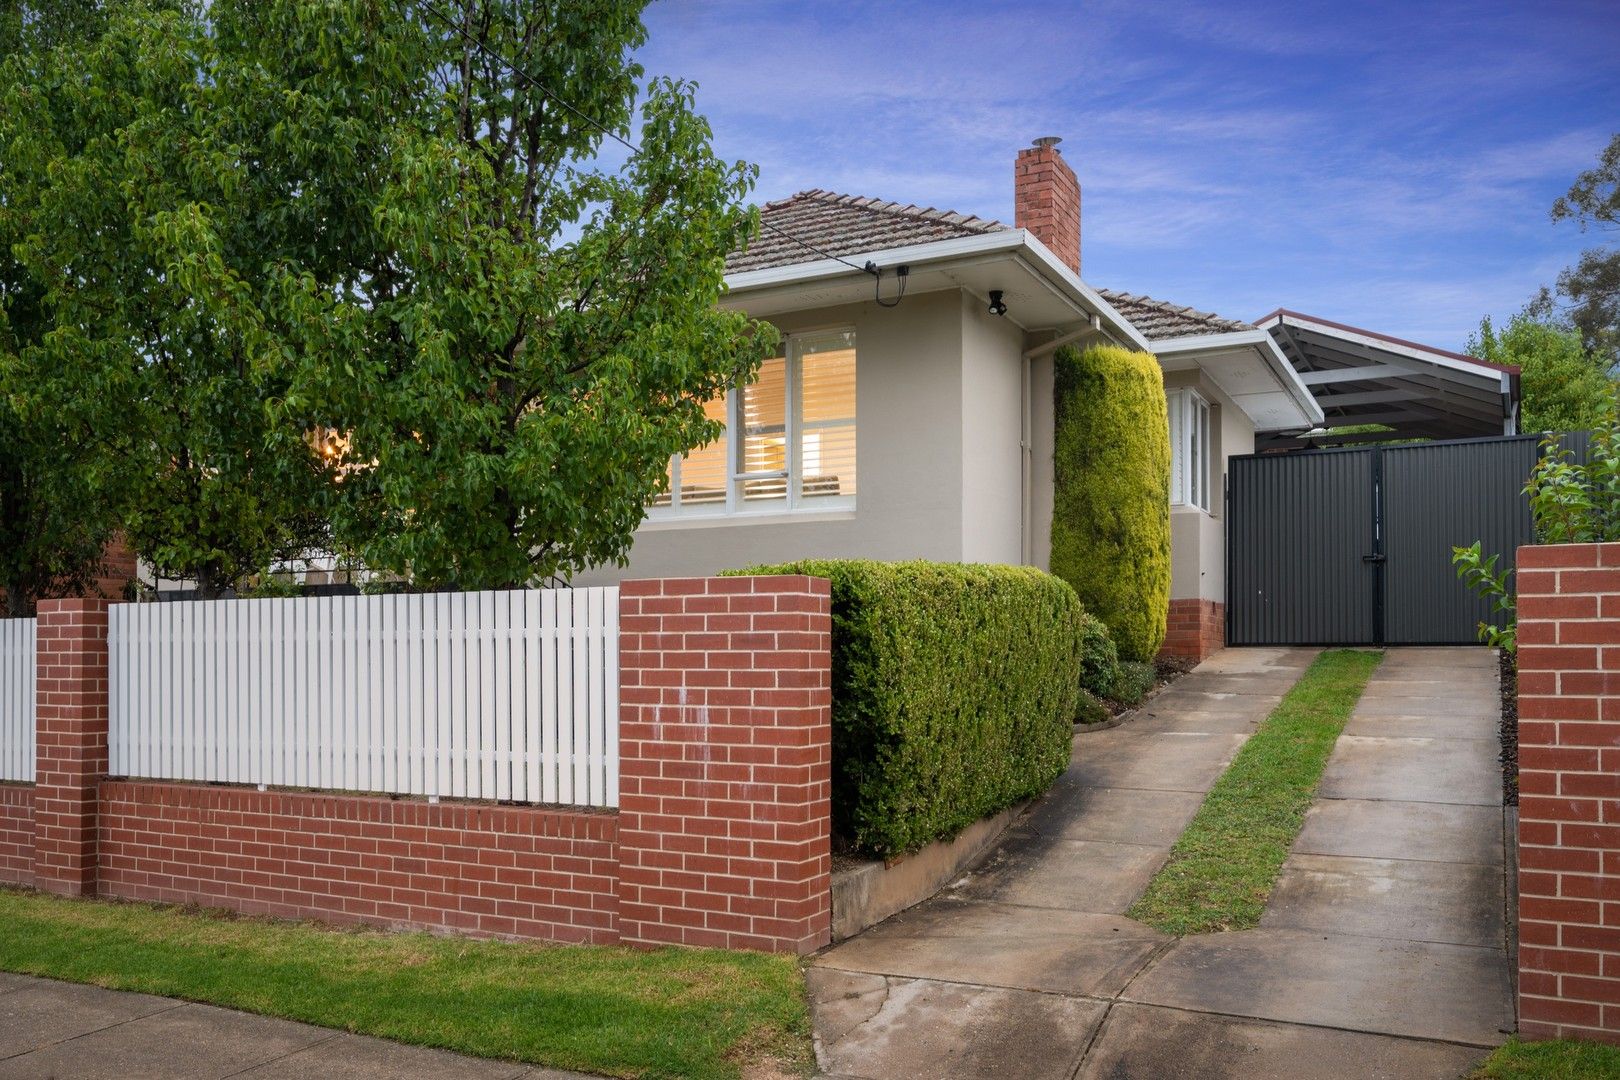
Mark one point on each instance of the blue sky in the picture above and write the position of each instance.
(1388, 165)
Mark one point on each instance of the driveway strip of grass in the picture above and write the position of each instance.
(619, 1011)
(1223, 867)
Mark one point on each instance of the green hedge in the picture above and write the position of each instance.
(1111, 504)
(954, 692)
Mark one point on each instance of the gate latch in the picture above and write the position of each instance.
(1379, 557)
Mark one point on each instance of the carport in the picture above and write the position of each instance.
(1417, 391)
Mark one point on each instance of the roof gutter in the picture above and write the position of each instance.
(1013, 243)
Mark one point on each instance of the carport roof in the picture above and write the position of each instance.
(1363, 377)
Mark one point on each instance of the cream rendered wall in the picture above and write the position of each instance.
(992, 424)
(909, 457)
(1197, 538)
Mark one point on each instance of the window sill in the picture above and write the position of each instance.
(772, 517)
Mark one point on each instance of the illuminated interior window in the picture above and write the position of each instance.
(790, 441)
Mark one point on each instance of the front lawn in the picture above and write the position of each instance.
(619, 1011)
(1223, 866)
(1557, 1060)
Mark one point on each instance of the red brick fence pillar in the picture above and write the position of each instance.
(1569, 784)
(725, 762)
(70, 713)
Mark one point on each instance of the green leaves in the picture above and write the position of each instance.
(1480, 574)
(955, 689)
(237, 224)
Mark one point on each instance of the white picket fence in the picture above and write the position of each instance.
(494, 695)
(17, 644)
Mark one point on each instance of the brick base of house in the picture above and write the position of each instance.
(16, 834)
(502, 871)
(1197, 628)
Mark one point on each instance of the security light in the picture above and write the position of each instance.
(996, 306)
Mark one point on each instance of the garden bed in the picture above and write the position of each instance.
(1510, 729)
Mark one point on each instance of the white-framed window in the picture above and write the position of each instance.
(1190, 449)
(789, 442)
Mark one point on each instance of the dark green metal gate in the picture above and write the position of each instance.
(1353, 547)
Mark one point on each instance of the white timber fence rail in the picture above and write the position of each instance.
(18, 639)
(510, 696)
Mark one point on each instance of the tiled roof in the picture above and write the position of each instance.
(1158, 320)
(847, 225)
(815, 222)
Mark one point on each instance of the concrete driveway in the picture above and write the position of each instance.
(1381, 951)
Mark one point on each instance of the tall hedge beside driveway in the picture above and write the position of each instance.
(1111, 504)
(954, 691)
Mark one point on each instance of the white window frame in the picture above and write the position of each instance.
(736, 505)
(1192, 449)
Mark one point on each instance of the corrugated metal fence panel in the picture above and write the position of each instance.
(1437, 497)
(492, 695)
(1298, 526)
(18, 639)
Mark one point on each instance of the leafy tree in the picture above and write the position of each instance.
(526, 336)
(1560, 388)
(54, 522)
(260, 221)
(136, 215)
(1592, 285)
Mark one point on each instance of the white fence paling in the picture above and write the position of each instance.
(491, 695)
(18, 640)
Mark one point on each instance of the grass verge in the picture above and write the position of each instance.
(619, 1011)
(1558, 1060)
(1223, 867)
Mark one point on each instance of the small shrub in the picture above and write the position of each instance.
(1091, 710)
(954, 694)
(1111, 498)
(1571, 502)
(1099, 659)
(1135, 681)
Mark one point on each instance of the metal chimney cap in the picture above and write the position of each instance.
(1047, 141)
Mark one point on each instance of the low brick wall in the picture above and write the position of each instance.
(1196, 629)
(488, 870)
(726, 768)
(16, 834)
(1569, 784)
(721, 838)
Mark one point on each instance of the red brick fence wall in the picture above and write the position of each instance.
(1569, 784)
(722, 836)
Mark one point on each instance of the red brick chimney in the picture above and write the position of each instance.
(1046, 199)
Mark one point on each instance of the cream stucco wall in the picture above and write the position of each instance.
(909, 456)
(939, 415)
(992, 424)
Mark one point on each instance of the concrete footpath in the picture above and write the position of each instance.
(1381, 951)
(62, 1031)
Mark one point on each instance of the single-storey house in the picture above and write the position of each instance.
(910, 411)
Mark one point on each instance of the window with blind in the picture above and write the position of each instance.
(1190, 449)
(789, 442)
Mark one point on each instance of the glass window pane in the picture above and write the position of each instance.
(762, 449)
(1178, 447)
(827, 416)
(703, 471)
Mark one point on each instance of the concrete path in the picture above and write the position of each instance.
(64, 1031)
(1380, 954)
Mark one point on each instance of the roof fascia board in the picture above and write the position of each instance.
(1263, 344)
(1016, 243)
(1398, 348)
